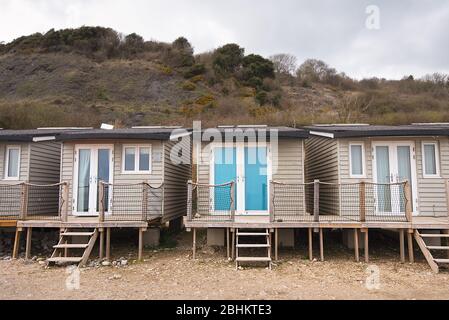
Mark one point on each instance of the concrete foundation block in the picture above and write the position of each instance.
(216, 237)
(286, 238)
(151, 237)
(348, 239)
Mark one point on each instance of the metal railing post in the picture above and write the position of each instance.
(408, 201)
(189, 200)
(316, 200)
(101, 206)
(362, 201)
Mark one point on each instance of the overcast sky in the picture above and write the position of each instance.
(412, 38)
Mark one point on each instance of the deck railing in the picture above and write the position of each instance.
(309, 202)
(210, 202)
(27, 201)
(130, 202)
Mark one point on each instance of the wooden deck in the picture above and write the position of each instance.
(260, 222)
(86, 222)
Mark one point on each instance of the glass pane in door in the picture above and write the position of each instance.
(383, 177)
(104, 163)
(256, 197)
(84, 159)
(404, 170)
(225, 170)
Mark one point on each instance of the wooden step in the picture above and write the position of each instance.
(441, 260)
(437, 247)
(65, 259)
(253, 245)
(71, 234)
(252, 234)
(71, 246)
(434, 235)
(253, 259)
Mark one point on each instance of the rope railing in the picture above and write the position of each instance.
(129, 202)
(291, 202)
(211, 202)
(28, 201)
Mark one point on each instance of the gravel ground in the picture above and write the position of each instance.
(170, 273)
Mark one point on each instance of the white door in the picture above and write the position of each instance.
(394, 162)
(248, 165)
(93, 163)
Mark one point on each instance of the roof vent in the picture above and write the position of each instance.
(106, 126)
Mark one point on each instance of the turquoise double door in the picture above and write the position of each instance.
(248, 167)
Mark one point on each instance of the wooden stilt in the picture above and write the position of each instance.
(28, 243)
(411, 257)
(227, 244)
(194, 243)
(140, 244)
(101, 253)
(310, 245)
(356, 245)
(366, 246)
(276, 244)
(401, 245)
(233, 244)
(108, 243)
(15, 251)
(321, 245)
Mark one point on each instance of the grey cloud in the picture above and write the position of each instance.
(413, 37)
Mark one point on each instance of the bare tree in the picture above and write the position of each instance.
(284, 63)
(352, 106)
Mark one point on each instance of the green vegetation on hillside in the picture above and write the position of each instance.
(90, 75)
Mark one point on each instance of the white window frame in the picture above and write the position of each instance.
(8, 148)
(358, 176)
(437, 159)
(137, 148)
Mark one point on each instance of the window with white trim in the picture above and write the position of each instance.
(357, 160)
(136, 159)
(430, 160)
(12, 163)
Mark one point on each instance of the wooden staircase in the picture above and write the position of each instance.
(67, 242)
(427, 250)
(253, 236)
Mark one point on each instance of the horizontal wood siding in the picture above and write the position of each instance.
(45, 162)
(45, 167)
(154, 179)
(176, 177)
(432, 195)
(290, 164)
(321, 163)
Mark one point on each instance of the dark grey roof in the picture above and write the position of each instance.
(342, 131)
(86, 134)
(128, 133)
(283, 132)
(27, 135)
